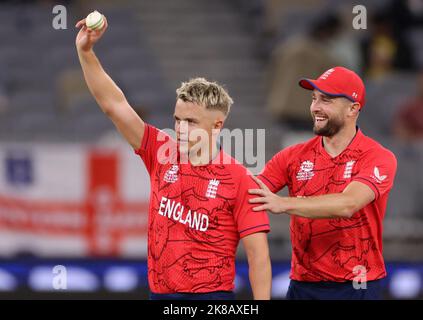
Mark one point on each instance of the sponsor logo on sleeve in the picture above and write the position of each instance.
(376, 176)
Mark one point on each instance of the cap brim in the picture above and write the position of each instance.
(307, 84)
(311, 85)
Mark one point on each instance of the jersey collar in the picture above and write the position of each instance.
(218, 158)
(352, 145)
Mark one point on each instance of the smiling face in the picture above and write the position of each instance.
(194, 125)
(201, 108)
(331, 114)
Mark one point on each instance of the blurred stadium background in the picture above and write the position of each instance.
(73, 193)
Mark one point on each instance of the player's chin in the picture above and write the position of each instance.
(319, 126)
(320, 130)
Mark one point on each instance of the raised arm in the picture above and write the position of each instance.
(108, 95)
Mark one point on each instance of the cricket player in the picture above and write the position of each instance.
(199, 208)
(339, 184)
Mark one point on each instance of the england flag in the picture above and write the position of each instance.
(72, 201)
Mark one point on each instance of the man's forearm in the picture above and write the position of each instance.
(101, 86)
(260, 273)
(353, 198)
(336, 205)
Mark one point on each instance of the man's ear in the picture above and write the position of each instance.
(355, 108)
(218, 124)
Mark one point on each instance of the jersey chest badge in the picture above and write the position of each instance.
(212, 188)
(171, 174)
(348, 169)
(306, 171)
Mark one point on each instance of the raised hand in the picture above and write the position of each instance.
(86, 37)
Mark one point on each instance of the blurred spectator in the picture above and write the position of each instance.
(345, 46)
(407, 19)
(303, 55)
(275, 10)
(385, 49)
(408, 125)
(406, 14)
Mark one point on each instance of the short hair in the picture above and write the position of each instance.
(209, 94)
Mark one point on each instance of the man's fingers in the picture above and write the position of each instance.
(260, 208)
(259, 192)
(258, 200)
(260, 183)
(80, 23)
(105, 23)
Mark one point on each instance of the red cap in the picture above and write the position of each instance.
(338, 82)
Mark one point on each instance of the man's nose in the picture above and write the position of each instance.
(182, 127)
(315, 106)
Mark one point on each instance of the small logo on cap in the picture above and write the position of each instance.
(327, 74)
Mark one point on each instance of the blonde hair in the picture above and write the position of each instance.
(206, 93)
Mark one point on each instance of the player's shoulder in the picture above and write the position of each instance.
(374, 149)
(158, 133)
(301, 148)
(154, 136)
(232, 167)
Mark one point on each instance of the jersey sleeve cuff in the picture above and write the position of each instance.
(255, 229)
(370, 184)
(267, 182)
(144, 140)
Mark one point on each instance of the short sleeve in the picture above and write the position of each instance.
(150, 150)
(274, 174)
(247, 220)
(377, 171)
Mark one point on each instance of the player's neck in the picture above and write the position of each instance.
(201, 158)
(335, 145)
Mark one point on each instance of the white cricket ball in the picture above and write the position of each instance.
(94, 20)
